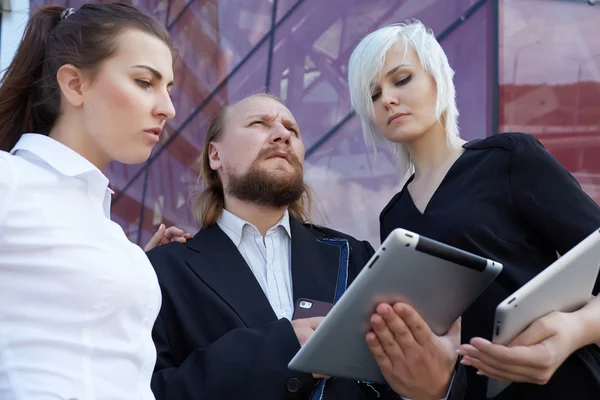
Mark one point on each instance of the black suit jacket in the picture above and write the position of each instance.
(217, 336)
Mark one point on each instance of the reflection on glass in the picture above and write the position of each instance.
(550, 81)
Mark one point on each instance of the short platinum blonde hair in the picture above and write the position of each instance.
(365, 68)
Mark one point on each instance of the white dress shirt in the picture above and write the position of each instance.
(269, 258)
(77, 299)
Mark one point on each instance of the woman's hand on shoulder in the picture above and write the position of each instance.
(166, 235)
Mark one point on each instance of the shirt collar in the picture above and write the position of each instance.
(285, 222)
(234, 225)
(60, 157)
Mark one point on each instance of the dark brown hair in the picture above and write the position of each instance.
(209, 198)
(29, 91)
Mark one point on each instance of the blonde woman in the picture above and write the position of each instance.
(504, 197)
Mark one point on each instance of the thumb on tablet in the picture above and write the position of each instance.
(453, 334)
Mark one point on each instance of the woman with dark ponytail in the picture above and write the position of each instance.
(77, 299)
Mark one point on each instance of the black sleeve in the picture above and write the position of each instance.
(243, 364)
(385, 227)
(367, 249)
(458, 391)
(384, 231)
(360, 255)
(549, 199)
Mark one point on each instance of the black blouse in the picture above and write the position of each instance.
(507, 199)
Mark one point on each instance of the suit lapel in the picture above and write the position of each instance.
(314, 264)
(219, 264)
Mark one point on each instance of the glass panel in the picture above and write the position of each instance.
(126, 207)
(216, 38)
(285, 6)
(176, 7)
(350, 185)
(471, 54)
(550, 81)
(170, 181)
(120, 175)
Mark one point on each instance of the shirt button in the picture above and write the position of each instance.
(293, 385)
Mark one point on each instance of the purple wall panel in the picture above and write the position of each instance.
(220, 40)
(351, 184)
(470, 53)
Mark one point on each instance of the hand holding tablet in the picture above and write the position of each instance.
(535, 321)
(414, 361)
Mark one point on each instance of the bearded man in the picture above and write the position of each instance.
(226, 328)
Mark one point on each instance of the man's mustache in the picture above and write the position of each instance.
(274, 151)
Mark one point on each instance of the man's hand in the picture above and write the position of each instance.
(164, 236)
(414, 361)
(304, 328)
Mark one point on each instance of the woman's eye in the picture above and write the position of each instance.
(259, 122)
(404, 81)
(144, 84)
(375, 96)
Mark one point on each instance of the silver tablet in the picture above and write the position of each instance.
(439, 281)
(564, 286)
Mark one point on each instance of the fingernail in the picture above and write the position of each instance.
(460, 352)
(480, 373)
(465, 362)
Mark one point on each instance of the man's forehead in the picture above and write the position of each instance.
(261, 106)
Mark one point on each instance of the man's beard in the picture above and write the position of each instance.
(268, 188)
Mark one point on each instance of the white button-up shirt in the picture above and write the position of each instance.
(77, 299)
(269, 258)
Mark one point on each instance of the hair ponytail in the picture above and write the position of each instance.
(19, 92)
